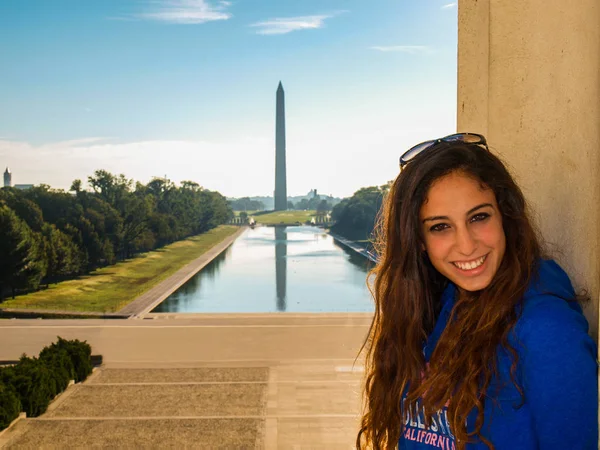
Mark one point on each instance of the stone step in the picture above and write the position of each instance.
(308, 399)
(291, 433)
(181, 375)
(315, 433)
(182, 400)
(118, 433)
(313, 405)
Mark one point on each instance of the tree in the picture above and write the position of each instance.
(110, 187)
(302, 205)
(20, 265)
(355, 217)
(66, 234)
(323, 207)
(60, 254)
(24, 208)
(191, 186)
(57, 206)
(76, 186)
(136, 214)
(246, 204)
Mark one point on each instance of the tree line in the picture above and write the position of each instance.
(355, 217)
(48, 235)
(314, 203)
(246, 204)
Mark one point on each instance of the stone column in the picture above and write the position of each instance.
(529, 79)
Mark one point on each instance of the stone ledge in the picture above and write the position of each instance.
(14, 313)
(4, 432)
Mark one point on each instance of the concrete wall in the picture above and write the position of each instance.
(529, 79)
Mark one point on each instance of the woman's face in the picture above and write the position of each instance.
(462, 225)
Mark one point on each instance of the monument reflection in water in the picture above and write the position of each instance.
(277, 269)
(280, 266)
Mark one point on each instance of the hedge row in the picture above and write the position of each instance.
(32, 383)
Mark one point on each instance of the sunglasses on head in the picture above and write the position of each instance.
(466, 138)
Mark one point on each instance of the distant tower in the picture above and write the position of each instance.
(280, 176)
(7, 178)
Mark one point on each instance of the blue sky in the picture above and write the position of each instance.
(186, 88)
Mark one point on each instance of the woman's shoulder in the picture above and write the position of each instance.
(549, 279)
(558, 362)
(550, 312)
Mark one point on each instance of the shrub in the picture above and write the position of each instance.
(61, 366)
(10, 405)
(80, 353)
(33, 383)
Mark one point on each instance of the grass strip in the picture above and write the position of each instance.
(285, 217)
(111, 288)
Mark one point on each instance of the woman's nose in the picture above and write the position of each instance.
(465, 242)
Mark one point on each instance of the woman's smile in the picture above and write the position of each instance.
(470, 267)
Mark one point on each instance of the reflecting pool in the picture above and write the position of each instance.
(271, 269)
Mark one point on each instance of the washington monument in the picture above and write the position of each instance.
(280, 177)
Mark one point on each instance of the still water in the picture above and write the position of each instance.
(271, 269)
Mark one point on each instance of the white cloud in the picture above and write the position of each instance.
(449, 5)
(187, 11)
(412, 49)
(221, 166)
(364, 153)
(363, 144)
(283, 25)
(72, 143)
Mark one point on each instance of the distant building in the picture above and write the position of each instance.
(8, 181)
(7, 178)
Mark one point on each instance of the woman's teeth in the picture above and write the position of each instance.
(470, 265)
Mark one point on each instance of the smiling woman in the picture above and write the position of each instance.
(478, 341)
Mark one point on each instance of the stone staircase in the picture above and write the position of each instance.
(291, 404)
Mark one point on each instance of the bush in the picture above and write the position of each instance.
(62, 369)
(33, 383)
(10, 406)
(80, 354)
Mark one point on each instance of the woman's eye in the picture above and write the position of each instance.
(439, 227)
(479, 217)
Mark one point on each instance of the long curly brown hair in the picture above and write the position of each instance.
(407, 291)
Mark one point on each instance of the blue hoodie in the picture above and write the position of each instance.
(557, 369)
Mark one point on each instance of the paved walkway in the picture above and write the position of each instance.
(148, 301)
(214, 381)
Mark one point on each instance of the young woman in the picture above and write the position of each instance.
(477, 341)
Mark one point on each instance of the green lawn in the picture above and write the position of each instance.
(111, 288)
(287, 217)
